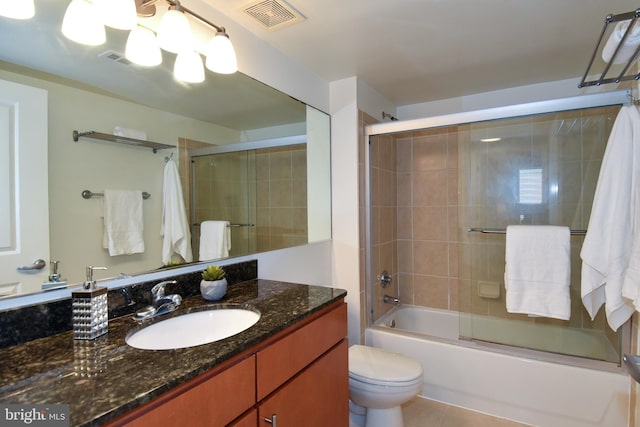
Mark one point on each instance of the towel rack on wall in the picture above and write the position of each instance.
(86, 194)
(155, 146)
(622, 76)
(504, 231)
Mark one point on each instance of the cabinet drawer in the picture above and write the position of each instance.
(214, 402)
(286, 357)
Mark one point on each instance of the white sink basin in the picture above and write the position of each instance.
(192, 329)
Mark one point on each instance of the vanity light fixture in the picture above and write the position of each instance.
(188, 67)
(118, 14)
(82, 23)
(491, 140)
(17, 9)
(143, 48)
(221, 57)
(174, 33)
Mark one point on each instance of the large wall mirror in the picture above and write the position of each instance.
(283, 143)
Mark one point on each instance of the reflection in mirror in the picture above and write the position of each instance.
(85, 91)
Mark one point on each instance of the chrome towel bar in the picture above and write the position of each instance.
(86, 194)
(504, 231)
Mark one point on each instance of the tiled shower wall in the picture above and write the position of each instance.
(281, 217)
(266, 188)
(414, 217)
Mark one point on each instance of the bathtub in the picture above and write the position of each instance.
(501, 381)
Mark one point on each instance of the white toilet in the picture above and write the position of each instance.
(379, 383)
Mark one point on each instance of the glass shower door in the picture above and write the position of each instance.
(537, 170)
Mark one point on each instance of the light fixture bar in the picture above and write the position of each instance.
(173, 3)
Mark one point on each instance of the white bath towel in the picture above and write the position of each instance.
(613, 228)
(627, 49)
(175, 226)
(537, 271)
(123, 225)
(215, 240)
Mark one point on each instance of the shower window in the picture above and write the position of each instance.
(429, 186)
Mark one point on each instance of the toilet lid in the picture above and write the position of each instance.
(374, 365)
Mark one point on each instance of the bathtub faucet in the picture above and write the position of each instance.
(388, 299)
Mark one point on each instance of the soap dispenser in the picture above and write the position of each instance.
(90, 309)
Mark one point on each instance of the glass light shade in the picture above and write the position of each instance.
(142, 47)
(174, 32)
(20, 9)
(221, 57)
(119, 14)
(188, 67)
(82, 24)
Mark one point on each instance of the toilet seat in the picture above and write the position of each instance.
(380, 367)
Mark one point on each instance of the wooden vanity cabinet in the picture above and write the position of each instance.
(300, 376)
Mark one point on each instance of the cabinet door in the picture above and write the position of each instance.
(249, 420)
(317, 397)
(212, 403)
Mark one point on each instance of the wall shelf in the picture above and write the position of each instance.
(155, 146)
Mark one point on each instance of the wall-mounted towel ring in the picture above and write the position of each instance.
(86, 194)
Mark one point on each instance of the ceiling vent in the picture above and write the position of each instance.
(114, 56)
(273, 14)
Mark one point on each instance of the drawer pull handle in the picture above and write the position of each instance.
(272, 420)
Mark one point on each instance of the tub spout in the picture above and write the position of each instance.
(388, 299)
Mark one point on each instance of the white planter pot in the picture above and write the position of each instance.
(213, 290)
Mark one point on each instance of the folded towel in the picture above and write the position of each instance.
(130, 133)
(613, 234)
(123, 226)
(175, 226)
(627, 49)
(215, 240)
(538, 270)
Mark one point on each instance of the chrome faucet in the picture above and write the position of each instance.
(388, 299)
(160, 303)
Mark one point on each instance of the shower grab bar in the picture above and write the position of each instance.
(504, 231)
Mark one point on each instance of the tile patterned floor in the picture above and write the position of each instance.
(420, 412)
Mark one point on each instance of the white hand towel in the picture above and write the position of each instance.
(613, 233)
(627, 49)
(215, 240)
(538, 270)
(123, 226)
(175, 226)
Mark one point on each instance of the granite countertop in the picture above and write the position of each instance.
(105, 378)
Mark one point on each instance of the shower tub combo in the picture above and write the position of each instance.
(474, 354)
(500, 382)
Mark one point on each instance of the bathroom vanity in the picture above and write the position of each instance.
(290, 367)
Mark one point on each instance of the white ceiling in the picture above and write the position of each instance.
(410, 51)
(415, 51)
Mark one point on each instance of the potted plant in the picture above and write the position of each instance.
(213, 285)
